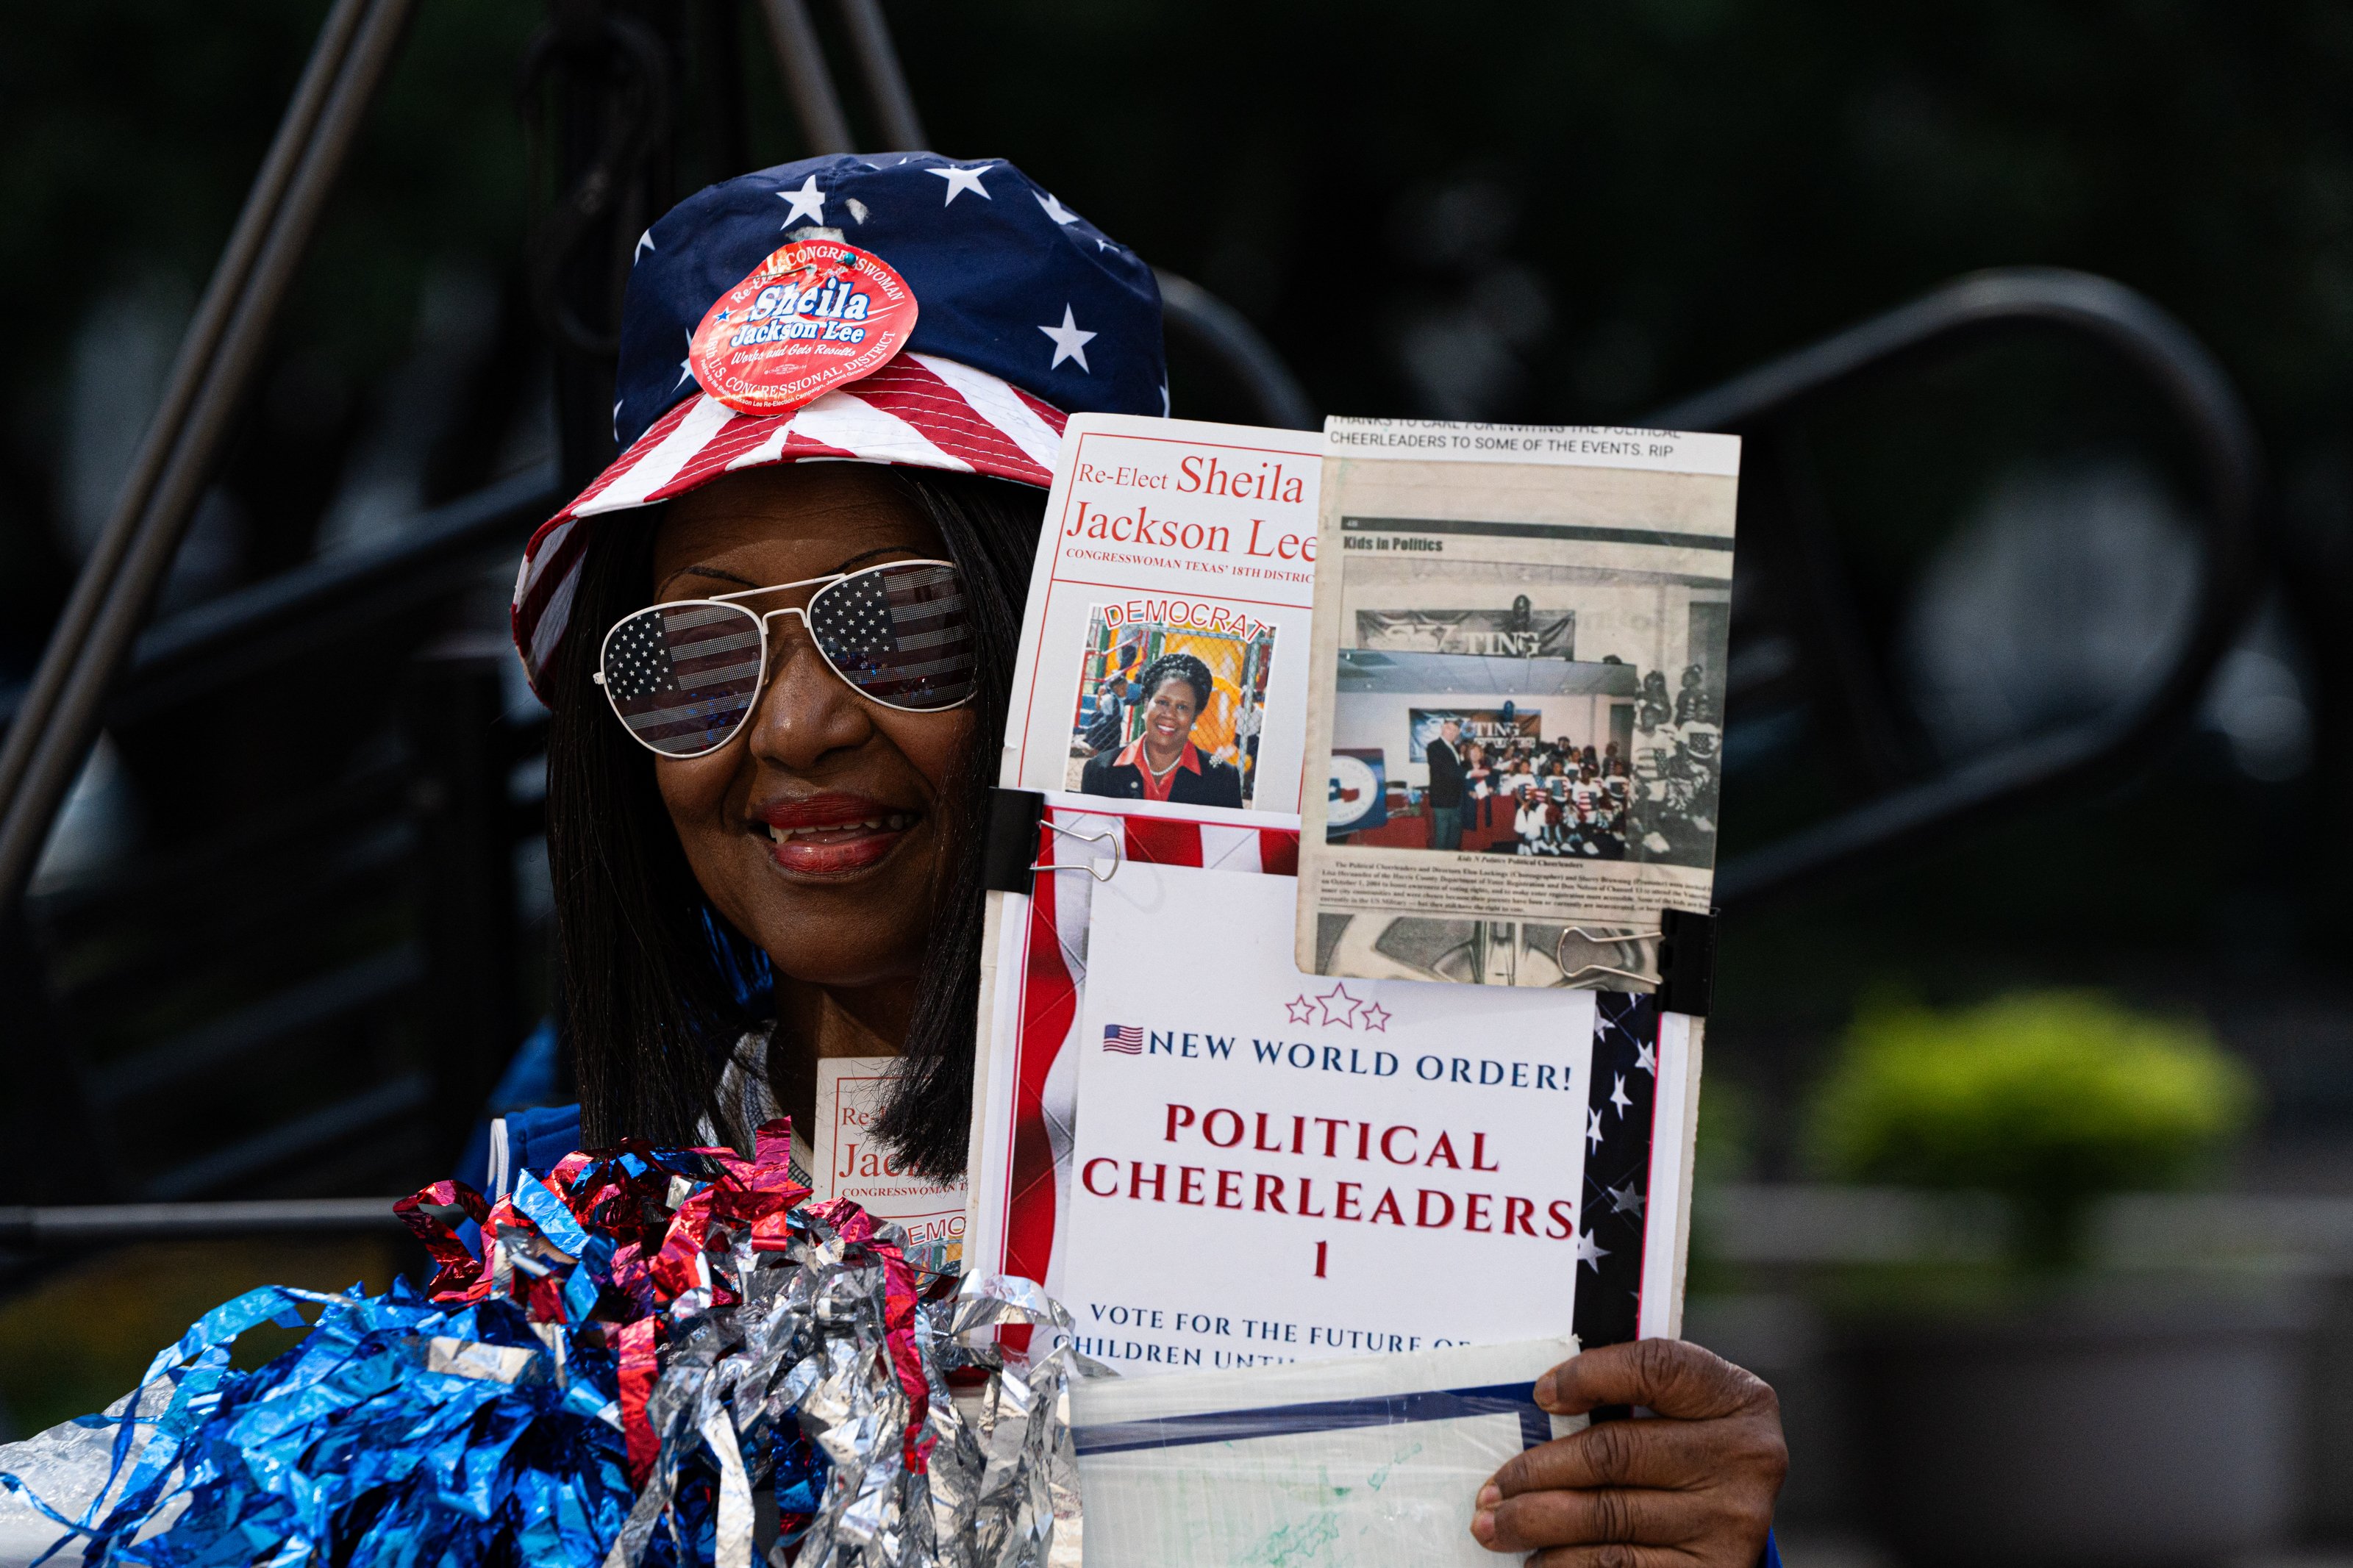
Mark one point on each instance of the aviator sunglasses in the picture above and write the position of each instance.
(684, 675)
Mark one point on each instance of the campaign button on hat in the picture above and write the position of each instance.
(813, 315)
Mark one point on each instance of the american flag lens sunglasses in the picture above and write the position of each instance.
(684, 675)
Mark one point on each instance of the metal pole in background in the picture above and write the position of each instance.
(1196, 316)
(58, 719)
(886, 84)
(457, 733)
(2234, 538)
(823, 125)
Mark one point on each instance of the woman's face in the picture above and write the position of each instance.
(817, 829)
(1168, 713)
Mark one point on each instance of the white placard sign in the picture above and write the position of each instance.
(1274, 1167)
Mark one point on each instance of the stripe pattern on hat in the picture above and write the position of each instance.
(919, 410)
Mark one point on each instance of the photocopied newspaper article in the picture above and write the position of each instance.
(1516, 701)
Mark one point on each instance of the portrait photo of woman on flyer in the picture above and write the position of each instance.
(1163, 762)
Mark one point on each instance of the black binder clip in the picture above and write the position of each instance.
(1687, 962)
(1014, 815)
(1015, 819)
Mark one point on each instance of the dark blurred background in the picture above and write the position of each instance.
(1571, 214)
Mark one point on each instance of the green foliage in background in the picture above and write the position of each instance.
(2051, 1099)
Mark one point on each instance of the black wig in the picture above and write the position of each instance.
(655, 989)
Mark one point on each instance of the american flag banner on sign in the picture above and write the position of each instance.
(900, 636)
(1030, 1098)
(1621, 1123)
(680, 676)
(1127, 1039)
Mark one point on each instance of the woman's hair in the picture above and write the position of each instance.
(1181, 667)
(657, 986)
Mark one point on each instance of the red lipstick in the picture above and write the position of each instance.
(832, 834)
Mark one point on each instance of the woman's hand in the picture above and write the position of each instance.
(1690, 1487)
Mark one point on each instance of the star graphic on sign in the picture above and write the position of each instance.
(1337, 1001)
(1625, 1199)
(1618, 1096)
(1375, 1017)
(686, 365)
(1646, 1059)
(1070, 343)
(1590, 1252)
(1301, 1009)
(645, 243)
(962, 180)
(1593, 1129)
(808, 202)
(1056, 210)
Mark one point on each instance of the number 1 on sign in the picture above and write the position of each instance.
(1319, 1247)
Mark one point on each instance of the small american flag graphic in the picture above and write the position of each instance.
(1125, 1038)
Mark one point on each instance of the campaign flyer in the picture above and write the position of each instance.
(1517, 705)
(847, 1164)
(1169, 545)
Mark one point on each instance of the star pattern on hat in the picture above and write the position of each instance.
(1070, 343)
(808, 203)
(962, 180)
(987, 271)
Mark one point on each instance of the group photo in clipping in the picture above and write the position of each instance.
(1168, 710)
(1584, 721)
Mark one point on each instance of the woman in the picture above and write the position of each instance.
(1162, 762)
(777, 691)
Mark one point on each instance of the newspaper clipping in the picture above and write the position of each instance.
(1517, 692)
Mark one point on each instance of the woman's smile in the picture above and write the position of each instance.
(832, 834)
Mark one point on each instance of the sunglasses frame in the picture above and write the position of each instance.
(818, 587)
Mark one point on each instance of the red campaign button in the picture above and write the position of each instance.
(814, 315)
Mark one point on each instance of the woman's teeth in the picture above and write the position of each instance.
(890, 822)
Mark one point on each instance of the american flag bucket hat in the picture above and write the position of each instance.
(1023, 314)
